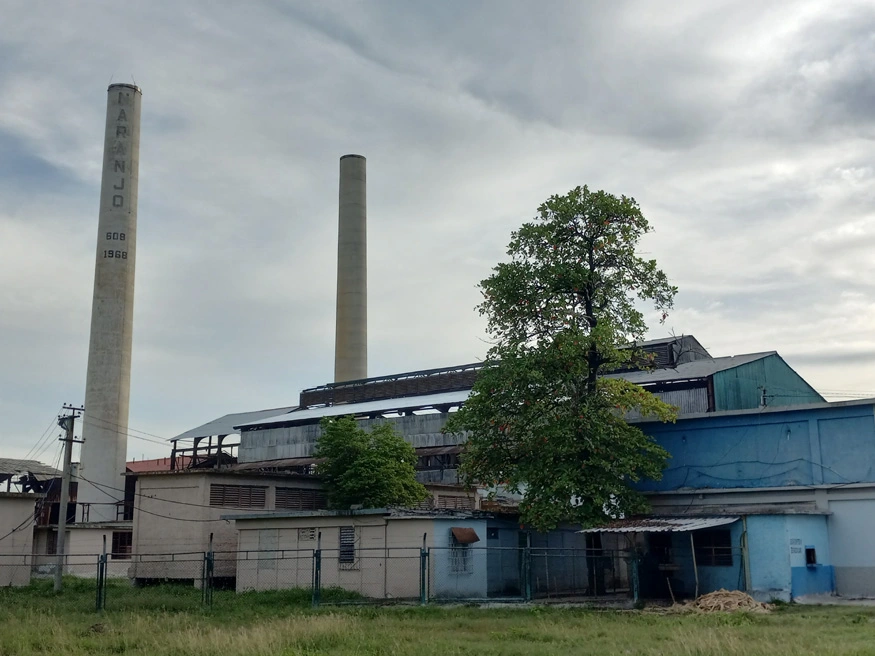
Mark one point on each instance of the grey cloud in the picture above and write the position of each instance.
(470, 115)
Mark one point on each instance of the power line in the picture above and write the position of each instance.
(105, 423)
(127, 428)
(101, 487)
(40, 440)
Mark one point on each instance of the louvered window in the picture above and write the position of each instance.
(346, 556)
(291, 498)
(238, 496)
(455, 502)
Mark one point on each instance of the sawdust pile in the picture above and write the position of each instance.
(726, 601)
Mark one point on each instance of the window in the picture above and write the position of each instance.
(455, 502)
(346, 555)
(810, 556)
(460, 558)
(713, 548)
(51, 543)
(238, 496)
(461, 539)
(291, 498)
(122, 543)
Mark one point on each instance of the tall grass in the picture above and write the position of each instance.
(168, 619)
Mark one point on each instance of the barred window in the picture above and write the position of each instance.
(292, 498)
(460, 557)
(346, 557)
(122, 543)
(713, 548)
(238, 496)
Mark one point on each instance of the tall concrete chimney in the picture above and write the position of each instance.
(351, 335)
(108, 382)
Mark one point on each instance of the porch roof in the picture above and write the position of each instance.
(662, 524)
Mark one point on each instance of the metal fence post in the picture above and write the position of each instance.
(207, 581)
(527, 568)
(317, 570)
(207, 576)
(636, 586)
(101, 583)
(423, 573)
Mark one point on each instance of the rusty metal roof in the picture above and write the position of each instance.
(661, 524)
(12, 467)
(465, 535)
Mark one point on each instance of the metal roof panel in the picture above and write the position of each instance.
(662, 524)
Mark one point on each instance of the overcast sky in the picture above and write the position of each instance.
(745, 133)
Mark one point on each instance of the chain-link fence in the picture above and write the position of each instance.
(352, 574)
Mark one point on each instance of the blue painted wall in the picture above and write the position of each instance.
(711, 577)
(447, 583)
(805, 531)
(769, 556)
(742, 387)
(768, 449)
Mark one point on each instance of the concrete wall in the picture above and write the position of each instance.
(769, 553)
(16, 524)
(386, 562)
(804, 532)
(711, 577)
(174, 516)
(771, 448)
(444, 580)
(83, 545)
(851, 539)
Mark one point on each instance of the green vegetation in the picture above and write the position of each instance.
(374, 469)
(541, 421)
(166, 620)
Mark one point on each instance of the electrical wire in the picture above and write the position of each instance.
(40, 440)
(106, 424)
(101, 487)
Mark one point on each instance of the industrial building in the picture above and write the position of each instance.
(768, 488)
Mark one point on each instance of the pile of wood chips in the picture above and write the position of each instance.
(726, 601)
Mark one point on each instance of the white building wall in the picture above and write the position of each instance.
(16, 524)
(173, 516)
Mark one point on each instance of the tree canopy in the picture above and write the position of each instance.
(374, 469)
(562, 312)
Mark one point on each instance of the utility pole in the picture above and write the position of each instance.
(66, 422)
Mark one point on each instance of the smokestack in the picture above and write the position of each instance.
(108, 382)
(351, 336)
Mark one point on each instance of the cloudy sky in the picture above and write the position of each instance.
(746, 134)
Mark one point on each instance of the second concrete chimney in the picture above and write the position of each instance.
(351, 334)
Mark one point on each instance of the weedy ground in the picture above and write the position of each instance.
(166, 620)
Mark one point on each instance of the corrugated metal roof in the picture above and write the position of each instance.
(13, 467)
(691, 370)
(281, 463)
(157, 464)
(384, 406)
(225, 425)
(662, 524)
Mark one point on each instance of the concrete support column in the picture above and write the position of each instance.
(351, 336)
(108, 382)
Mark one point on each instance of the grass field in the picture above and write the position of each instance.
(168, 620)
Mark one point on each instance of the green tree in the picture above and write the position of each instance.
(542, 419)
(374, 469)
